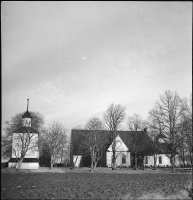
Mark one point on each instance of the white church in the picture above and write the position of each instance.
(124, 150)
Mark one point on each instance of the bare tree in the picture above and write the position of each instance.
(153, 135)
(24, 143)
(135, 123)
(113, 117)
(95, 140)
(65, 154)
(6, 148)
(56, 140)
(78, 127)
(167, 114)
(186, 125)
(182, 149)
(94, 124)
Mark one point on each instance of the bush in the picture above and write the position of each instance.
(4, 165)
(59, 165)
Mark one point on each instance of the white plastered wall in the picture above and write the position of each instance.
(121, 149)
(77, 159)
(25, 165)
(33, 152)
(165, 160)
(16, 146)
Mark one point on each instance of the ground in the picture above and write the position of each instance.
(102, 184)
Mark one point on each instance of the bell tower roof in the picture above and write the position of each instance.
(27, 114)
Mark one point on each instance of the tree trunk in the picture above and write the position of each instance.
(183, 160)
(51, 164)
(135, 159)
(154, 156)
(191, 158)
(114, 154)
(114, 160)
(183, 154)
(143, 163)
(172, 152)
(173, 163)
(135, 153)
(92, 164)
(95, 165)
(19, 163)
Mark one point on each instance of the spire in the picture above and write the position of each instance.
(27, 117)
(27, 104)
(27, 114)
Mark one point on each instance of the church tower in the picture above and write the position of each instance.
(27, 117)
(25, 151)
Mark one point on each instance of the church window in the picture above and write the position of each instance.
(160, 160)
(123, 159)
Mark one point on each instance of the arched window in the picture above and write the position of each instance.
(123, 159)
(160, 160)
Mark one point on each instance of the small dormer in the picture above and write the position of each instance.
(160, 140)
(27, 117)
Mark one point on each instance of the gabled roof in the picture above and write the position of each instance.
(78, 139)
(162, 148)
(140, 138)
(165, 147)
(143, 142)
(25, 130)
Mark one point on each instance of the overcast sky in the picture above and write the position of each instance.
(73, 59)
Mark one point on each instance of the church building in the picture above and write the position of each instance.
(131, 147)
(128, 143)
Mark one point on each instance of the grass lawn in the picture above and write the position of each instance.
(102, 184)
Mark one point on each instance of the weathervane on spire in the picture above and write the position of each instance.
(27, 104)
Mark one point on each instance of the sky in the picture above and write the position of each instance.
(73, 59)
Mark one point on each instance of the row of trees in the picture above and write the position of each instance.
(170, 117)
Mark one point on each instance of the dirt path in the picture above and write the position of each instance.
(54, 170)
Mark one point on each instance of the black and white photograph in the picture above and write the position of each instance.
(96, 100)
